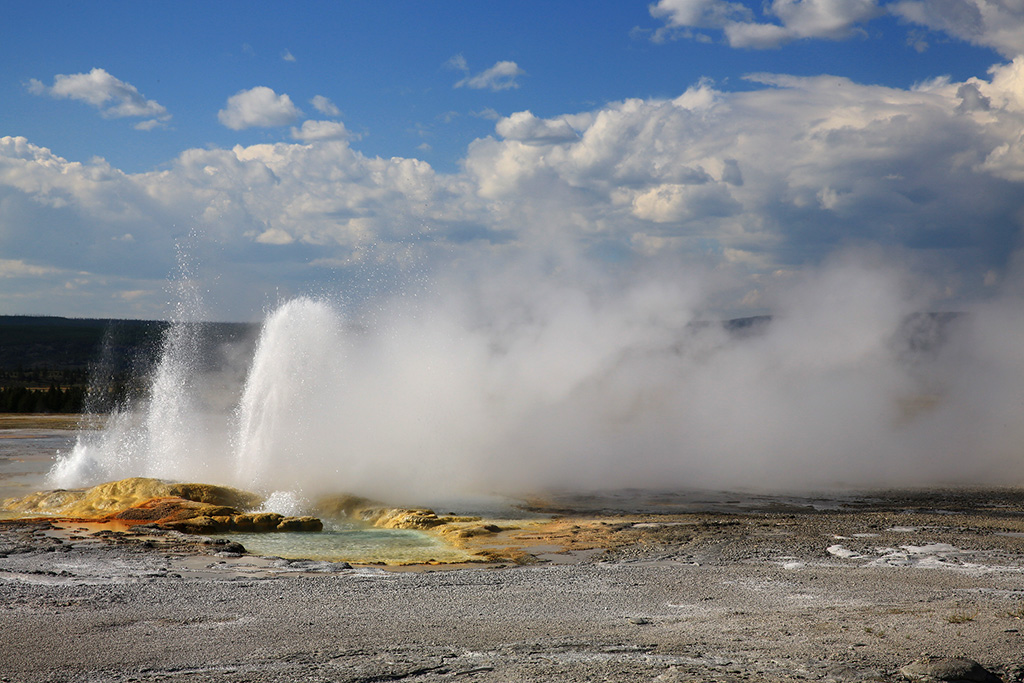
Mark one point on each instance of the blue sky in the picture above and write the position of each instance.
(385, 65)
(294, 148)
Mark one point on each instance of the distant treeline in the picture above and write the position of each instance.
(54, 399)
(72, 365)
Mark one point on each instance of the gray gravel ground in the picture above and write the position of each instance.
(94, 610)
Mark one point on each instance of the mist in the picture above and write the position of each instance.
(530, 377)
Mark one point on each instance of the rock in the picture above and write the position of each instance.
(265, 521)
(300, 524)
(44, 502)
(169, 509)
(228, 548)
(115, 496)
(142, 501)
(196, 525)
(478, 530)
(216, 495)
(344, 505)
(402, 518)
(242, 523)
(409, 518)
(227, 520)
(948, 670)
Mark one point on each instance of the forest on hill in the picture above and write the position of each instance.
(70, 365)
(74, 365)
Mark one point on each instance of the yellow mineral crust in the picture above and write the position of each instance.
(114, 496)
(190, 508)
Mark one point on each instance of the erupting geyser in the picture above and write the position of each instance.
(172, 436)
(297, 368)
(183, 431)
(586, 386)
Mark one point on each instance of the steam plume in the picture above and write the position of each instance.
(531, 378)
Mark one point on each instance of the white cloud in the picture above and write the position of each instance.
(112, 96)
(700, 13)
(782, 172)
(487, 113)
(797, 19)
(501, 76)
(998, 24)
(756, 36)
(312, 131)
(526, 127)
(458, 63)
(832, 19)
(325, 106)
(150, 124)
(678, 203)
(288, 56)
(13, 268)
(258, 107)
(768, 179)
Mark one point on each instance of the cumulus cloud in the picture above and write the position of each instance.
(458, 62)
(526, 127)
(700, 13)
(788, 20)
(320, 130)
(325, 106)
(13, 268)
(149, 125)
(501, 76)
(288, 56)
(832, 19)
(998, 24)
(113, 97)
(487, 113)
(76, 250)
(755, 184)
(258, 107)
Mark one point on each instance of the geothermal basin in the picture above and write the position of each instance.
(497, 425)
(650, 493)
(623, 585)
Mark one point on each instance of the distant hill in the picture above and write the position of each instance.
(47, 362)
(52, 364)
(43, 342)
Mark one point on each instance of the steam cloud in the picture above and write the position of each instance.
(538, 376)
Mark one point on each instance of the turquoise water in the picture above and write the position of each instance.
(26, 454)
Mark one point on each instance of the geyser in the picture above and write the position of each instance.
(297, 368)
(577, 383)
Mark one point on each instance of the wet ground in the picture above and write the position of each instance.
(848, 592)
(28, 444)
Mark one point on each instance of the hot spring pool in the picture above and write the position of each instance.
(28, 448)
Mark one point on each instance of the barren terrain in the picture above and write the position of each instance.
(622, 587)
